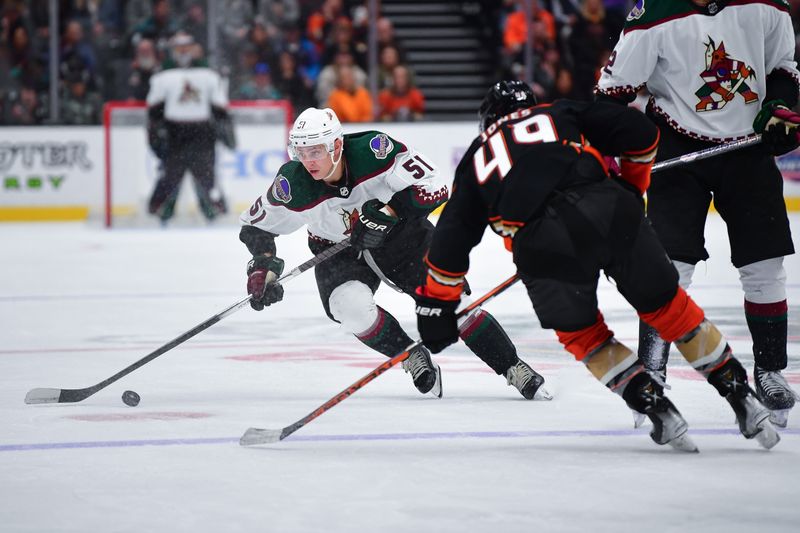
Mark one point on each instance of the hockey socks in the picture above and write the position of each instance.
(481, 332)
(385, 335)
(768, 327)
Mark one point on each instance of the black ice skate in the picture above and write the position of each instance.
(645, 396)
(527, 381)
(776, 395)
(753, 418)
(427, 375)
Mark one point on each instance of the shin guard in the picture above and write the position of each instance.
(481, 332)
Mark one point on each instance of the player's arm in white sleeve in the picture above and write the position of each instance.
(419, 186)
(263, 221)
(630, 65)
(219, 92)
(782, 74)
(158, 91)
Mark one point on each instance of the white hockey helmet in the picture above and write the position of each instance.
(315, 126)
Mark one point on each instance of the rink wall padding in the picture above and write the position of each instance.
(57, 173)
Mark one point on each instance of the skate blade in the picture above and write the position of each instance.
(436, 390)
(684, 443)
(779, 417)
(542, 394)
(768, 436)
(638, 419)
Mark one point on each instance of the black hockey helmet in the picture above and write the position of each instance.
(503, 98)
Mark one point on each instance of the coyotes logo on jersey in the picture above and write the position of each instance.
(189, 93)
(349, 219)
(724, 78)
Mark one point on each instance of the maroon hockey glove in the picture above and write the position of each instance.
(372, 226)
(262, 271)
(436, 321)
(777, 134)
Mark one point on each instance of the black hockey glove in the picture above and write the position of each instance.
(436, 321)
(262, 271)
(778, 135)
(372, 226)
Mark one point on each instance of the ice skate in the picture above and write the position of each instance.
(775, 394)
(427, 376)
(753, 418)
(528, 382)
(660, 377)
(646, 397)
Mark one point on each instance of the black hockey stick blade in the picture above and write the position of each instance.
(50, 395)
(255, 436)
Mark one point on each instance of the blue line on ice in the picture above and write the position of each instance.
(364, 437)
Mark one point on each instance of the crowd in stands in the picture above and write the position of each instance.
(310, 52)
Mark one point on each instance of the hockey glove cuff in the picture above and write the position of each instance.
(777, 134)
(373, 225)
(262, 271)
(436, 321)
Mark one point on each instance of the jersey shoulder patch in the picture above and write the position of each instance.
(370, 152)
(648, 13)
(294, 188)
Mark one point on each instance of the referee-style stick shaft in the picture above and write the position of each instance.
(51, 395)
(255, 436)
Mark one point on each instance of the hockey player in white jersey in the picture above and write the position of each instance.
(716, 71)
(377, 192)
(187, 106)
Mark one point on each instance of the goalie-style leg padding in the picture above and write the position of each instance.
(481, 332)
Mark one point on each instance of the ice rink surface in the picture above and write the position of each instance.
(78, 304)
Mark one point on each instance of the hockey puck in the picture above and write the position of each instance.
(130, 398)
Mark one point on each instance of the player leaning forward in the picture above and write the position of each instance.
(534, 178)
(717, 71)
(377, 192)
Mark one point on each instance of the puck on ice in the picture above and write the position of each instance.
(130, 398)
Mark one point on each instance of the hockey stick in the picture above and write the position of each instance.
(708, 152)
(255, 436)
(47, 395)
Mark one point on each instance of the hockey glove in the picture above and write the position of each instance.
(372, 226)
(436, 321)
(777, 134)
(262, 271)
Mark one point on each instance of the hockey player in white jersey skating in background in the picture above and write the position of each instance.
(376, 192)
(187, 106)
(716, 71)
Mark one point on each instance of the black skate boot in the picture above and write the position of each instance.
(776, 395)
(645, 396)
(730, 380)
(427, 375)
(527, 381)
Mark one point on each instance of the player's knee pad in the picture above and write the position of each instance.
(705, 348)
(685, 273)
(352, 304)
(764, 282)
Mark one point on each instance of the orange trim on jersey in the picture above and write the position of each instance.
(597, 155)
(637, 174)
(584, 341)
(441, 270)
(676, 318)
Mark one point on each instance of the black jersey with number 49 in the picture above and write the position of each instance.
(513, 168)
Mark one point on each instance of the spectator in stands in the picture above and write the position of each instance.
(74, 44)
(304, 51)
(342, 40)
(564, 88)
(245, 65)
(261, 38)
(21, 59)
(158, 27)
(79, 105)
(388, 60)
(385, 34)
(292, 84)
(402, 102)
(321, 21)
(593, 37)
(234, 18)
(260, 86)
(516, 30)
(24, 107)
(328, 77)
(145, 64)
(350, 101)
(195, 24)
(283, 13)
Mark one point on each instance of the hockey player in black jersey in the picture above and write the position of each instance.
(536, 175)
(376, 192)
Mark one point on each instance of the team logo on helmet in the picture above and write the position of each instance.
(381, 144)
(281, 190)
(637, 10)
